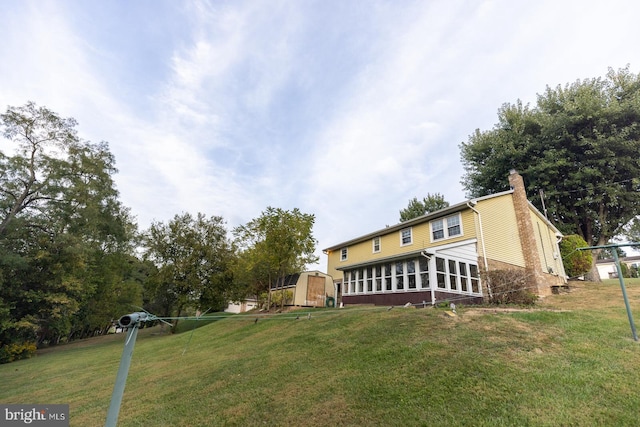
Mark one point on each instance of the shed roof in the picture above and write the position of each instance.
(288, 281)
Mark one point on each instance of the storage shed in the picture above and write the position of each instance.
(309, 288)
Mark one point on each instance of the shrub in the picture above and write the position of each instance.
(16, 351)
(510, 287)
(576, 263)
(276, 298)
(626, 272)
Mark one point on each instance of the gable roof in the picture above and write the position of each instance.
(431, 216)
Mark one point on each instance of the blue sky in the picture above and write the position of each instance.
(343, 109)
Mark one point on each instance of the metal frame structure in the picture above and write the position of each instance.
(616, 259)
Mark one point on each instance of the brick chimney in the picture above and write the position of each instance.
(526, 232)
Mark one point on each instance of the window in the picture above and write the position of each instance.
(473, 272)
(437, 229)
(376, 244)
(406, 237)
(423, 263)
(411, 274)
(441, 273)
(387, 277)
(345, 283)
(440, 231)
(452, 275)
(399, 276)
(378, 278)
(343, 254)
(463, 276)
(349, 282)
(352, 283)
(453, 226)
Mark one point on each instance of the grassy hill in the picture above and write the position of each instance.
(569, 361)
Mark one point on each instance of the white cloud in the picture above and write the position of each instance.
(345, 110)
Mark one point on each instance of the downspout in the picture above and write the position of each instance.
(560, 263)
(432, 284)
(484, 250)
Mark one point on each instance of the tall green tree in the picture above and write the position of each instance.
(59, 214)
(277, 243)
(632, 231)
(579, 144)
(193, 257)
(416, 208)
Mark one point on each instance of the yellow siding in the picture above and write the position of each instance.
(547, 246)
(500, 230)
(333, 261)
(390, 244)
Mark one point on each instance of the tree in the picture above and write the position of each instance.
(277, 243)
(579, 145)
(416, 208)
(576, 262)
(193, 258)
(60, 216)
(632, 230)
(35, 175)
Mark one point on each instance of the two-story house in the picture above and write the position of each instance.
(439, 256)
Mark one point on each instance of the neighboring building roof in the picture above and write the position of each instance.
(431, 216)
(626, 259)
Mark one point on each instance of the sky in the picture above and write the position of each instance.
(344, 109)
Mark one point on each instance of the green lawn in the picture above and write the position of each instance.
(569, 361)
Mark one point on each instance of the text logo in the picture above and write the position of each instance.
(34, 415)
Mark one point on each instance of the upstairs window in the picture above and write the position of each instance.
(376, 244)
(445, 228)
(406, 237)
(343, 254)
(453, 226)
(437, 229)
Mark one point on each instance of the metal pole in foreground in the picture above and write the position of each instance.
(132, 321)
(624, 295)
(614, 251)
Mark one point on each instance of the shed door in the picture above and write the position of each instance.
(315, 291)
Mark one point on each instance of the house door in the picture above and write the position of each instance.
(315, 291)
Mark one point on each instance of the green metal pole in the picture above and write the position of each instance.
(624, 294)
(121, 378)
